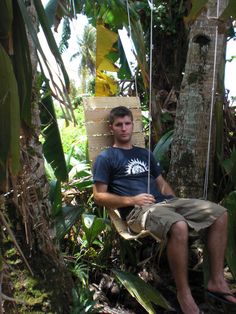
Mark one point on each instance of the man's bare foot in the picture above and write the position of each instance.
(187, 303)
(223, 289)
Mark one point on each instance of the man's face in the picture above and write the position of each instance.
(122, 129)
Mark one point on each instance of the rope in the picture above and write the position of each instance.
(150, 97)
(205, 189)
(150, 2)
(130, 37)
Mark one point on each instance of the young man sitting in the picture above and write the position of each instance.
(121, 181)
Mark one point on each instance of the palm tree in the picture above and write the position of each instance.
(87, 54)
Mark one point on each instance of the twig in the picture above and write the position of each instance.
(15, 242)
(7, 298)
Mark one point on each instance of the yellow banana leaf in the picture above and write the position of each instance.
(105, 40)
(105, 85)
(107, 65)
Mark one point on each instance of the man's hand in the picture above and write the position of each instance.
(105, 198)
(143, 199)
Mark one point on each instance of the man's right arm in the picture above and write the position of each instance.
(110, 200)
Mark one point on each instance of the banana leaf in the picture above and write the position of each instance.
(67, 217)
(51, 43)
(6, 18)
(112, 13)
(9, 117)
(124, 72)
(52, 146)
(144, 293)
(162, 148)
(50, 39)
(55, 197)
(93, 226)
(22, 65)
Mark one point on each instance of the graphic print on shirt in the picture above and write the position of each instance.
(136, 166)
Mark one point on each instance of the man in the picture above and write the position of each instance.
(121, 181)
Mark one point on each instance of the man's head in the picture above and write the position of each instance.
(121, 125)
(119, 112)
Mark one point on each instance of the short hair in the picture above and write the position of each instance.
(120, 112)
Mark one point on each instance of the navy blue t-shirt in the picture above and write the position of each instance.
(125, 171)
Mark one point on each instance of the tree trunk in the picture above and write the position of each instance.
(190, 142)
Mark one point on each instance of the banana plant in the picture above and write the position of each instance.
(17, 77)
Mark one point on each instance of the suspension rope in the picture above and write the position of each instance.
(133, 49)
(205, 189)
(150, 3)
(150, 96)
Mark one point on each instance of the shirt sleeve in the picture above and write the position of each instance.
(101, 170)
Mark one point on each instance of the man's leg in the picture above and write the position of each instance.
(177, 251)
(217, 241)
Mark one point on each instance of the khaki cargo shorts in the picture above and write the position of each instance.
(159, 217)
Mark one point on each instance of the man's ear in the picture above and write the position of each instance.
(110, 128)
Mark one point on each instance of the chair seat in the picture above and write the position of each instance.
(123, 229)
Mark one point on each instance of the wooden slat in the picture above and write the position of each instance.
(103, 114)
(93, 103)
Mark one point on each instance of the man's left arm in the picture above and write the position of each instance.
(164, 186)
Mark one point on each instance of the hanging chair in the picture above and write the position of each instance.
(96, 110)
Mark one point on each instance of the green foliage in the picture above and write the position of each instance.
(6, 18)
(50, 39)
(230, 203)
(55, 196)
(227, 181)
(229, 166)
(162, 149)
(52, 146)
(22, 65)
(81, 271)
(9, 116)
(142, 291)
(73, 136)
(83, 303)
(92, 226)
(66, 218)
(66, 33)
(87, 50)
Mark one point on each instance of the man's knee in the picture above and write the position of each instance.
(222, 220)
(179, 230)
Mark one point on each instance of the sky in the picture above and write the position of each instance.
(230, 68)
